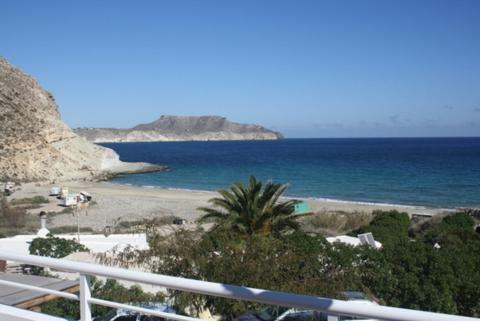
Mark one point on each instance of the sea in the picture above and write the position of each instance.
(431, 172)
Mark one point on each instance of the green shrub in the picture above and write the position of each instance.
(387, 226)
(296, 263)
(109, 290)
(52, 246)
(458, 221)
(408, 273)
(453, 230)
(65, 229)
(36, 200)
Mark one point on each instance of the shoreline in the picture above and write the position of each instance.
(302, 198)
(114, 203)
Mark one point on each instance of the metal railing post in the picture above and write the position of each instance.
(85, 295)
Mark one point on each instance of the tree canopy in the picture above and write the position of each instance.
(406, 272)
(253, 209)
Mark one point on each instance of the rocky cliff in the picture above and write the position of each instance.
(36, 145)
(181, 128)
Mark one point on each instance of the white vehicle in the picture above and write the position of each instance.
(69, 200)
(55, 191)
(85, 196)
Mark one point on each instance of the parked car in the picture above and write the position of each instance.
(128, 315)
(292, 314)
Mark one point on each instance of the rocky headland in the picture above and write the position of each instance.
(180, 128)
(35, 144)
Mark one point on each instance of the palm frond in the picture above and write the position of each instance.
(211, 213)
(253, 208)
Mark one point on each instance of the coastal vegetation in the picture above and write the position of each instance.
(258, 240)
(436, 268)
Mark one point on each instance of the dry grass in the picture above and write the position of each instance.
(143, 224)
(66, 229)
(15, 220)
(331, 223)
(36, 200)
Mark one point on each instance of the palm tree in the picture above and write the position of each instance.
(250, 209)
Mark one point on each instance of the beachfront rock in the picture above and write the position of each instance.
(35, 144)
(181, 128)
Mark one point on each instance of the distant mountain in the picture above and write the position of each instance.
(181, 128)
(35, 144)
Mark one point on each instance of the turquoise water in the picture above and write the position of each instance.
(437, 172)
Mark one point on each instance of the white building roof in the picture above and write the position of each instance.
(350, 240)
(96, 243)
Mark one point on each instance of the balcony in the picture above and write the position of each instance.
(331, 307)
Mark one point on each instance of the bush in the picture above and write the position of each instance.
(336, 222)
(70, 229)
(52, 246)
(109, 290)
(65, 210)
(458, 221)
(408, 273)
(296, 263)
(55, 247)
(11, 217)
(15, 220)
(451, 229)
(144, 223)
(36, 200)
(387, 226)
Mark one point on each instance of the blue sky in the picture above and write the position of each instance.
(305, 68)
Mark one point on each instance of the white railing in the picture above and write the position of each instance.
(329, 306)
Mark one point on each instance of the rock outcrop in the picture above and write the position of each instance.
(180, 128)
(36, 145)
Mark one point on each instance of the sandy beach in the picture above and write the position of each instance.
(114, 203)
